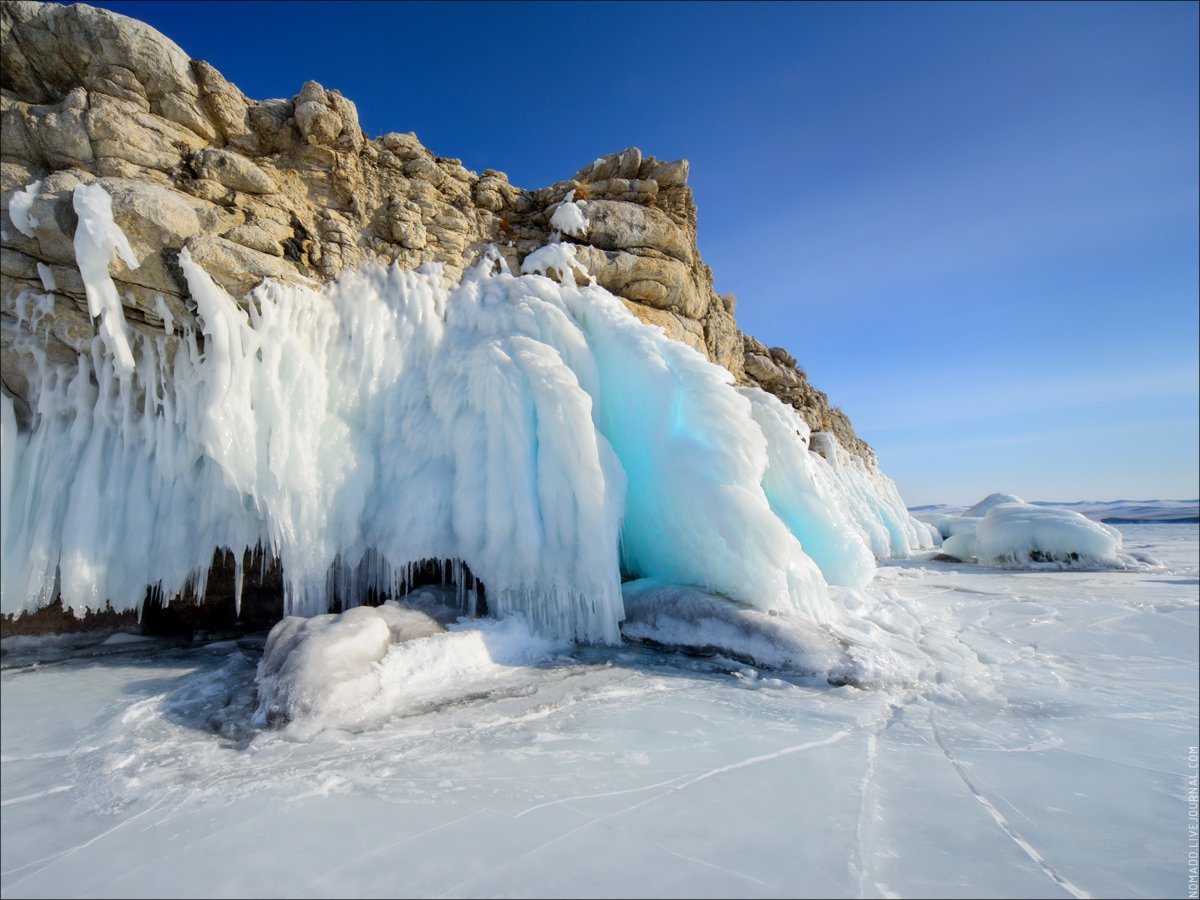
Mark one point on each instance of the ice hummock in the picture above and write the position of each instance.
(528, 428)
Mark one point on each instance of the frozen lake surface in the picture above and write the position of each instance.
(1046, 755)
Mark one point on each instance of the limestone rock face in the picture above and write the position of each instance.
(292, 189)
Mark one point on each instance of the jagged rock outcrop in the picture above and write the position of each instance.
(292, 189)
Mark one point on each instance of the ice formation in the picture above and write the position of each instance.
(331, 662)
(685, 618)
(18, 208)
(569, 218)
(46, 276)
(530, 429)
(1003, 531)
(844, 514)
(357, 669)
(97, 238)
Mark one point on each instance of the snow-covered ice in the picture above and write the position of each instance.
(1044, 753)
(357, 669)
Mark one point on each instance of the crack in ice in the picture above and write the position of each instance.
(766, 757)
(561, 800)
(872, 768)
(1028, 849)
(35, 796)
(54, 858)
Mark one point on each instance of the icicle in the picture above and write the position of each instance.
(97, 239)
(237, 584)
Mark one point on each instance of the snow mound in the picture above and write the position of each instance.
(355, 670)
(677, 617)
(1020, 534)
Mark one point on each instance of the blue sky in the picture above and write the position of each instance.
(974, 225)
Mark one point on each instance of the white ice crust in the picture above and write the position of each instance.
(980, 509)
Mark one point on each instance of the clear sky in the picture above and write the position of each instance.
(974, 225)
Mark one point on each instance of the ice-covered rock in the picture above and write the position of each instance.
(1020, 534)
(97, 240)
(569, 217)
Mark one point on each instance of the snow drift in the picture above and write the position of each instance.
(532, 430)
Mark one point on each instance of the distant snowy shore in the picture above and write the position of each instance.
(1110, 512)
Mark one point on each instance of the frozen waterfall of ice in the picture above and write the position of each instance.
(533, 430)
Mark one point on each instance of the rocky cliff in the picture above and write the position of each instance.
(293, 189)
